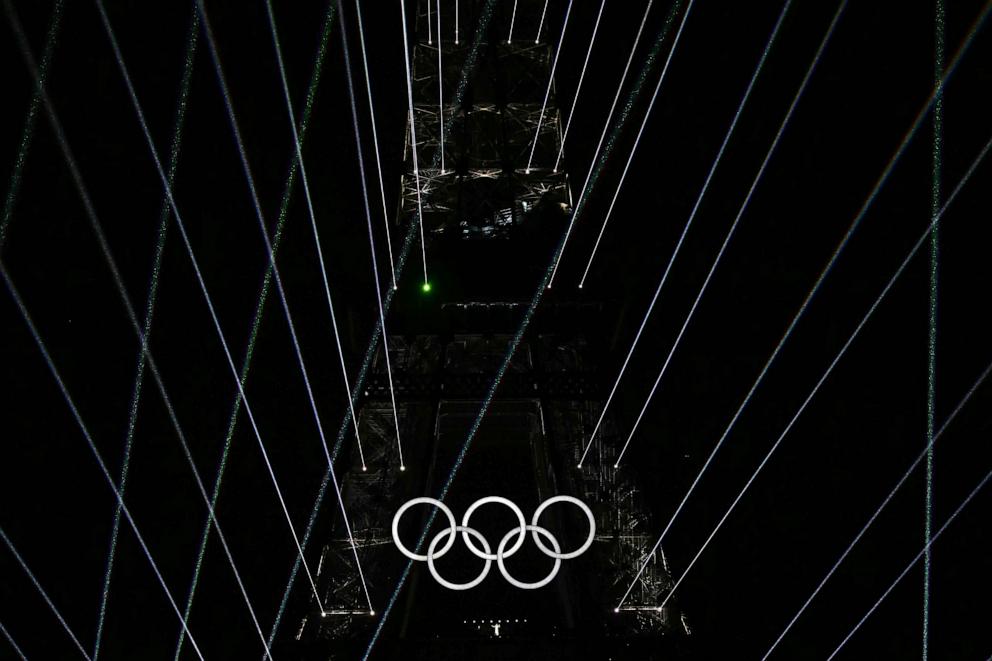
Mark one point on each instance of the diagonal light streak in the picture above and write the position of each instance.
(37, 585)
(740, 214)
(692, 216)
(927, 452)
(313, 219)
(637, 141)
(513, 19)
(540, 25)
(833, 363)
(151, 361)
(551, 80)
(912, 563)
(578, 88)
(250, 180)
(79, 420)
(375, 133)
(13, 643)
(413, 139)
(602, 137)
(30, 121)
(256, 325)
(184, 88)
(440, 83)
(468, 66)
(368, 218)
(858, 217)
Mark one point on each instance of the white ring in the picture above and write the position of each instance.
(502, 501)
(451, 535)
(557, 554)
(520, 584)
(452, 524)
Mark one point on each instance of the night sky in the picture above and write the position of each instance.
(865, 425)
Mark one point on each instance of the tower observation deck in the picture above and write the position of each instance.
(494, 197)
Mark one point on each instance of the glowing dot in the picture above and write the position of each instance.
(402, 468)
(616, 610)
(616, 465)
(372, 613)
(578, 465)
(365, 468)
(426, 287)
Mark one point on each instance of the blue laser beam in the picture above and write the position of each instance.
(13, 643)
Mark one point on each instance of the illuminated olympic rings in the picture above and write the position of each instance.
(517, 536)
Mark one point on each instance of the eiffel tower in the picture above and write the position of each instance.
(484, 174)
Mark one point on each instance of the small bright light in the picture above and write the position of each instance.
(365, 468)
(402, 468)
(580, 286)
(578, 465)
(426, 287)
(616, 465)
(372, 613)
(616, 610)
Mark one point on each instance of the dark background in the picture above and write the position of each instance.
(855, 439)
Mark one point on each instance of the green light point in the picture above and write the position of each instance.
(426, 287)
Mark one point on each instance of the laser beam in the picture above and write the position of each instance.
(927, 452)
(551, 80)
(688, 223)
(13, 643)
(858, 217)
(43, 593)
(833, 363)
(413, 139)
(606, 126)
(912, 563)
(578, 88)
(637, 141)
(368, 218)
(740, 214)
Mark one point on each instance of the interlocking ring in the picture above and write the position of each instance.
(502, 552)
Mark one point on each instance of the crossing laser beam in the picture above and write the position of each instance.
(856, 221)
(368, 218)
(578, 88)
(551, 80)
(313, 218)
(256, 323)
(15, 294)
(833, 363)
(137, 391)
(540, 25)
(911, 564)
(413, 137)
(692, 215)
(250, 180)
(513, 18)
(637, 141)
(43, 593)
(933, 437)
(606, 126)
(740, 214)
(468, 66)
